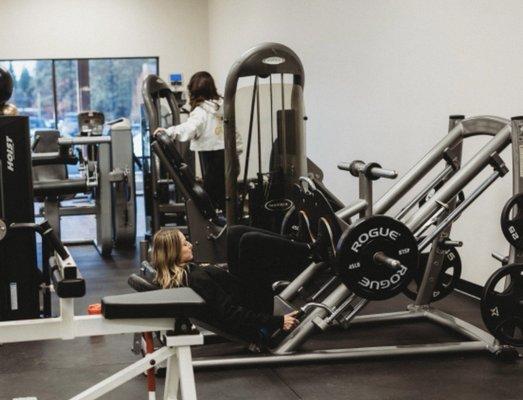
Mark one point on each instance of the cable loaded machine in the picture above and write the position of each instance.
(275, 132)
(105, 164)
(275, 137)
(163, 197)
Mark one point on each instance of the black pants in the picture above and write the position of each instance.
(213, 174)
(259, 258)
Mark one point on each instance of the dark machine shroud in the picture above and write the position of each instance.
(19, 275)
(165, 148)
(154, 89)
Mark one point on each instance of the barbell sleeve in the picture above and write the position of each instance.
(378, 172)
(500, 257)
(383, 259)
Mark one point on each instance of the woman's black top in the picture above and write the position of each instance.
(225, 296)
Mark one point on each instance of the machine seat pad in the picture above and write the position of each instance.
(163, 303)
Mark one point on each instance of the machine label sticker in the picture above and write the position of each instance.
(14, 295)
(279, 205)
(371, 234)
(10, 146)
(273, 60)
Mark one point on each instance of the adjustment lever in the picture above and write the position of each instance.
(502, 259)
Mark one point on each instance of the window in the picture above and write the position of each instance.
(52, 92)
(33, 93)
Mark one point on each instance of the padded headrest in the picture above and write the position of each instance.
(164, 303)
(140, 284)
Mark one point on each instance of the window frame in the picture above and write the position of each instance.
(53, 70)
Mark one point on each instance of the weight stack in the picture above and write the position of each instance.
(19, 274)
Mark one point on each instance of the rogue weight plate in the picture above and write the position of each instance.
(357, 264)
(449, 275)
(512, 226)
(502, 304)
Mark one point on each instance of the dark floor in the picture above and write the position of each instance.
(60, 369)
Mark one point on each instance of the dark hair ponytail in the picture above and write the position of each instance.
(201, 87)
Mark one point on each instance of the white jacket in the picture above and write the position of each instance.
(204, 128)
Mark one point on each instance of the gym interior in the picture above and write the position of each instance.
(331, 210)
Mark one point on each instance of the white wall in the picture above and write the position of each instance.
(174, 30)
(382, 77)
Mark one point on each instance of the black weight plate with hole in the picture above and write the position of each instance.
(447, 279)
(502, 304)
(290, 223)
(315, 206)
(355, 262)
(512, 227)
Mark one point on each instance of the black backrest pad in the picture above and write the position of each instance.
(186, 177)
(164, 303)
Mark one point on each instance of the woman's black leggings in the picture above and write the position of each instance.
(259, 258)
(213, 174)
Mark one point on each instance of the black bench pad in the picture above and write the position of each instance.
(164, 303)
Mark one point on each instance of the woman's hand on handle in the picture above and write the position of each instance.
(159, 131)
(290, 321)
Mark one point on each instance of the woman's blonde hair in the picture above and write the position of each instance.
(166, 258)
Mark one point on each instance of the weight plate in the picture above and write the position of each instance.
(356, 257)
(447, 279)
(512, 227)
(502, 304)
(325, 244)
(314, 204)
(290, 223)
(3, 230)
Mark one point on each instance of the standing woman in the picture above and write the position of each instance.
(204, 128)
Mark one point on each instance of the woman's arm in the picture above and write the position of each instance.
(190, 129)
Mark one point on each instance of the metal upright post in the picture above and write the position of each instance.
(516, 255)
(437, 252)
(104, 234)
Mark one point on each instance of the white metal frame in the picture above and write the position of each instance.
(177, 352)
